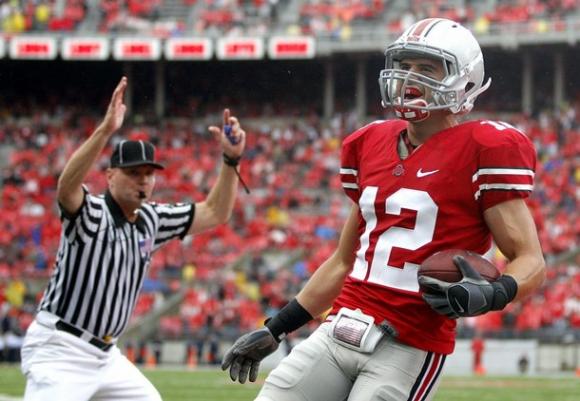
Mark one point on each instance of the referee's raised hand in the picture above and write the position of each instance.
(231, 135)
(116, 111)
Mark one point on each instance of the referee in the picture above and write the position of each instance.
(70, 351)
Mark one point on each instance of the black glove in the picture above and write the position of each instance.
(471, 296)
(247, 352)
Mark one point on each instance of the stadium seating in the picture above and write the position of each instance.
(260, 17)
(295, 174)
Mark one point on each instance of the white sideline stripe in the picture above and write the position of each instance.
(349, 171)
(516, 187)
(502, 171)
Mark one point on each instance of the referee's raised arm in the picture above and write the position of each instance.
(69, 189)
(217, 207)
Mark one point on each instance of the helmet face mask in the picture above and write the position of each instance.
(441, 41)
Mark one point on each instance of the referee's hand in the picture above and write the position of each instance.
(116, 111)
(231, 135)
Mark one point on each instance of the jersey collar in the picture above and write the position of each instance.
(118, 215)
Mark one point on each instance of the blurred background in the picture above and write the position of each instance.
(301, 75)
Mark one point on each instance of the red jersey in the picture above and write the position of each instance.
(431, 201)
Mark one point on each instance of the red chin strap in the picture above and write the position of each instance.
(413, 115)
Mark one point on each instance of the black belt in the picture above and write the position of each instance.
(95, 341)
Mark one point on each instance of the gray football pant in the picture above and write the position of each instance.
(318, 369)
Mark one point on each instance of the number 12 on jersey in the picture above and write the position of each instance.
(412, 239)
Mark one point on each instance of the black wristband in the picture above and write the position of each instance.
(505, 290)
(290, 318)
(231, 161)
(234, 162)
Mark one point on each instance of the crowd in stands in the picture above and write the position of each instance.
(337, 17)
(233, 17)
(228, 281)
(122, 14)
(43, 15)
(535, 14)
(259, 17)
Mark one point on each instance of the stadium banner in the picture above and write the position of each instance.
(33, 48)
(240, 48)
(188, 49)
(137, 49)
(85, 48)
(297, 47)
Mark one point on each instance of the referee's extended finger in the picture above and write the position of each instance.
(226, 116)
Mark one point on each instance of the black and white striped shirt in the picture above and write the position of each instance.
(103, 259)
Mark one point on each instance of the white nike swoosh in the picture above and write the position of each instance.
(425, 173)
(459, 307)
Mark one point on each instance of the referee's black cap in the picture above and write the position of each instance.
(134, 153)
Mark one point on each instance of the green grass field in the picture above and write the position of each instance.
(213, 385)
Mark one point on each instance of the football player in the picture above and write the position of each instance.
(420, 184)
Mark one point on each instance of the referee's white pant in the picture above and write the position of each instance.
(319, 369)
(60, 366)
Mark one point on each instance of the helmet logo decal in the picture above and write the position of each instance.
(422, 28)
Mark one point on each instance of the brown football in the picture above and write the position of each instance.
(440, 266)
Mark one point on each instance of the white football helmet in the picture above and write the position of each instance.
(439, 39)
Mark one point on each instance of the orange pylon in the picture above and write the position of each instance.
(191, 357)
(479, 370)
(150, 361)
(130, 354)
(578, 371)
(192, 360)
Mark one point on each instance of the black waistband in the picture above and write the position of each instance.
(68, 328)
